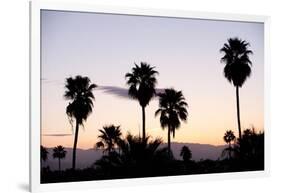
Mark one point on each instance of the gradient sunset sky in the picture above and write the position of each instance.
(186, 54)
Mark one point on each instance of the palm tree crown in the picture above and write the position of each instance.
(59, 153)
(142, 82)
(229, 136)
(186, 153)
(79, 92)
(172, 109)
(44, 153)
(110, 136)
(237, 63)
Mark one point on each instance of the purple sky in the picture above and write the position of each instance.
(186, 54)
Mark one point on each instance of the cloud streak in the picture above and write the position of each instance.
(119, 91)
(57, 135)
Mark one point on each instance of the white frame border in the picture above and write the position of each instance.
(35, 73)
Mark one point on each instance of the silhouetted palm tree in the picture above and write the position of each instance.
(79, 92)
(237, 66)
(172, 109)
(185, 154)
(228, 138)
(110, 137)
(44, 153)
(133, 147)
(142, 83)
(59, 153)
(138, 157)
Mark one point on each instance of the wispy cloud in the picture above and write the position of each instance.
(119, 91)
(57, 135)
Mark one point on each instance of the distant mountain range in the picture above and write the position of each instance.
(86, 158)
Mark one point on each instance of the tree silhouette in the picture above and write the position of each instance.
(172, 109)
(138, 157)
(44, 153)
(237, 66)
(109, 138)
(59, 153)
(79, 92)
(251, 145)
(142, 83)
(185, 154)
(228, 138)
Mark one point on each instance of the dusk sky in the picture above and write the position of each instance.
(186, 54)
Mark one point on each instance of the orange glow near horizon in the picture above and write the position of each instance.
(186, 54)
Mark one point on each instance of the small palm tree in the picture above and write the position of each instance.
(228, 138)
(59, 153)
(109, 138)
(142, 82)
(185, 154)
(44, 153)
(137, 158)
(79, 92)
(237, 66)
(172, 109)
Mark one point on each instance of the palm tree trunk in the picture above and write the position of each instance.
(169, 140)
(75, 146)
(59, 164)
(143, 123)
(229, 151)
(238, 110)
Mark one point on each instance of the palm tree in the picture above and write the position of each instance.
(237, 66)
(109, 138)
(185, 154)
(172, 109)
(228, 138)
(79, 92)
(138, 157)
(44, 153)
(142, 83)
(59, 153)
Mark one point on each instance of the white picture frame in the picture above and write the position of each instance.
(36, 6)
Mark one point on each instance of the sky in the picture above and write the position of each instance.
(186, 54)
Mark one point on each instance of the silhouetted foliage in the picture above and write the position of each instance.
(172, 109)
(237, 66)
(79, 92)
(138, 158)
(142, 82)
(44, 153)
(59, 153)
(109, 137)
(228, 138)
(250, 148)
(185, 154)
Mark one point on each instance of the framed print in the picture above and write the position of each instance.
(122, 96)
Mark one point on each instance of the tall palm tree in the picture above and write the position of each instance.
(79, 92)
(109, 138)
(44, 153)
(142, 82)
(185, 153)
(237, 66)
(172, 109)
(59, 153)
(228, 138)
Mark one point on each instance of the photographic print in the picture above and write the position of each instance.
(134, 96)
